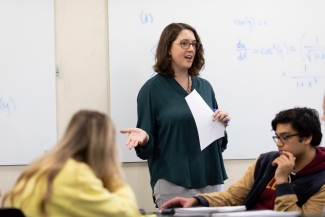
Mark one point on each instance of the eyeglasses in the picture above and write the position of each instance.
(283, 139)
(186, 44)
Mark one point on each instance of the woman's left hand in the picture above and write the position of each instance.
(222, 116)
(136, 136)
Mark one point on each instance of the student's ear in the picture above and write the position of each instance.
(308, 139)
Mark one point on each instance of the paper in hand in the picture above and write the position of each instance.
(208, 130)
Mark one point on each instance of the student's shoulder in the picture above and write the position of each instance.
(267, 157)
(73, 164)
(79, 170)
(270, 154)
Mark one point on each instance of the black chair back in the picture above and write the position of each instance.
(11, 212)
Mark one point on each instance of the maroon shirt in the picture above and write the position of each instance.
(267, 198)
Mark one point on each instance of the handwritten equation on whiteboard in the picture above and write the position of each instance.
(267, 50)
(7, 105)
(310, 52)
(250, 23)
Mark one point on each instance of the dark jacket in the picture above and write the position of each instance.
(305, 193)
(303, 186)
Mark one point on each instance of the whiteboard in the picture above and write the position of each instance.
(261, 57)
(27, 80)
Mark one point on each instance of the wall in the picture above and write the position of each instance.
(81, 46)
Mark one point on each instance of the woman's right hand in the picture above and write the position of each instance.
(136, 137)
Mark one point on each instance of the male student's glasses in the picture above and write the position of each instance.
(284, 138)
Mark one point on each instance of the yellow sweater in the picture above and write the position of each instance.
(77, 192)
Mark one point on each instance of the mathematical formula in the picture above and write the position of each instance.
(249, 22)
(309, 52)
(268, 50)
(306, 81)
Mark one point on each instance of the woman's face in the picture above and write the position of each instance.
(182, 58)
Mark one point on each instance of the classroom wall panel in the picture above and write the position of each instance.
(27, 80)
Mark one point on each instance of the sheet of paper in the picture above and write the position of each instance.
(259, 213)
(231, 211)
(207, 210)
(208, 129)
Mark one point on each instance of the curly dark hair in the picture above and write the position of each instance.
(168, 36)
(305, 120)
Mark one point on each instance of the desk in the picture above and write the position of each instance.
(158, 215)
(225, 214)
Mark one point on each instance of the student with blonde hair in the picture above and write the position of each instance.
(80, 176)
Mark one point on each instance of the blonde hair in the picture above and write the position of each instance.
(90, 138)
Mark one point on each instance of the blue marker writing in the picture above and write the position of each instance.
(226, 121)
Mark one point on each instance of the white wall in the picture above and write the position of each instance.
(81, 46)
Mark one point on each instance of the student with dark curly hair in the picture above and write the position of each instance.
(166, 133)
(290, 179)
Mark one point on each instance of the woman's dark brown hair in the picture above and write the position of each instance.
(168, 36)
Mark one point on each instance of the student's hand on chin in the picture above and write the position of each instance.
(285, 163)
